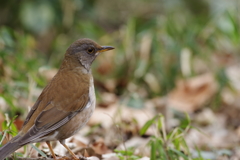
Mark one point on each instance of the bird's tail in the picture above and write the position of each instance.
(8, 148)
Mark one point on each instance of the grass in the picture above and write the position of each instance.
(9, 129)
(164, 145)
(167, 146)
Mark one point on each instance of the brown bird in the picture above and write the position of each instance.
(65, 104)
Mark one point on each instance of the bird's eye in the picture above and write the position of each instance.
(90, 50)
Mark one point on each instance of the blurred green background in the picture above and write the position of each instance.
(149, 37)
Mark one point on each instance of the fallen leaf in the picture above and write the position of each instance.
(191, 94)
(18, 123)
(89, 152)
(100, 147)
(116, 112)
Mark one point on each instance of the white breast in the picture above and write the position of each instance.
(92, 97)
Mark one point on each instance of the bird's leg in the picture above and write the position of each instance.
(69, 150)
(51, 150)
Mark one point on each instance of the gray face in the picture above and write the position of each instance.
(85, 50)
(87, 54)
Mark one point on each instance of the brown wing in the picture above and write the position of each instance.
(60, 101)
(34, 107)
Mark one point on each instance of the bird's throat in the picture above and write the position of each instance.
(70, 63)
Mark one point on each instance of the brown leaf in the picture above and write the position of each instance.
(192, 94)
(100, 147)
(77, 142)
(107, 116)
(18, 123)
(89, 152)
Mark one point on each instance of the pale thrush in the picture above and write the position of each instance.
(65, 104)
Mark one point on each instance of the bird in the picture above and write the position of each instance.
(66, 103)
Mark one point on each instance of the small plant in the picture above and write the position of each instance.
(9, 129)
(168, 146)
(127, 154)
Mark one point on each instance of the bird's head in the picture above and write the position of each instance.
(86, 50)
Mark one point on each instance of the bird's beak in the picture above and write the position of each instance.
(105, 48)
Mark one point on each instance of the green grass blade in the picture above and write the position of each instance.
(147, 125)
(153, 150)
(39, 151)
(179, 154)
(3, 137)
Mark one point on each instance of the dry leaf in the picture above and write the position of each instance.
(205, 117)
(18, 123)
(190, 95)
(212, 135)
(100, 147)
(110, 156)
(231, 95)
(139, 143)
(107, 116)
